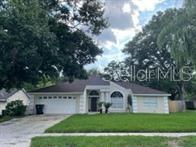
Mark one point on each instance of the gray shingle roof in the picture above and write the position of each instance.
(75, 86)
(4, 94)
(79, 86)
(138, 89)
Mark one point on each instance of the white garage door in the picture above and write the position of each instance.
(58, 104)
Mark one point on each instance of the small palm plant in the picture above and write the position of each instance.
(100, 104)
(107, 106)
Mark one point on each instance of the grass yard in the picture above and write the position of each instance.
(114, 141)
(4, 118)
(127, 122)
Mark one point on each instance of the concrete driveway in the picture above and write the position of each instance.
(19, 131)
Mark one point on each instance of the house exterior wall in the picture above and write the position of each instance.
(20, 95)
(82, 108)
(161, 104)
(2, 107)
(125, 92)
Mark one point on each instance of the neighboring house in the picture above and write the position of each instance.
(82, 96)
(12, 95)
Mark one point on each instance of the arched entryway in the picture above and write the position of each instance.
(93, 100)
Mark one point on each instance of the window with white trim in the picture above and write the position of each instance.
(150, 102)
(117, 100)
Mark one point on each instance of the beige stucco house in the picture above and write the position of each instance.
(82, 96)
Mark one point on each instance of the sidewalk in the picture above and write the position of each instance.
(122, 134)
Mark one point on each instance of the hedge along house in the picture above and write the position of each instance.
(82, 96)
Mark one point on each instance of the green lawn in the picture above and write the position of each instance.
(126, 122)
(114, 141)
(4, 118)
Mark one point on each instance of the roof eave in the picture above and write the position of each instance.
(55, 93)
(166, 94)
(2, 100)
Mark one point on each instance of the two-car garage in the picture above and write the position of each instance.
(60, 104)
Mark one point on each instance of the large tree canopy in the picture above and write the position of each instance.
(143, 50)
(144, 54)
(46, 38)
(167, 41)
(178, 37)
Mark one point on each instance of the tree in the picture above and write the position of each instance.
(47, 38)
(115, 71)
(178, 38)
(93, 71)
(144, 53)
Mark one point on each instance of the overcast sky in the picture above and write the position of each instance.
(126, 18)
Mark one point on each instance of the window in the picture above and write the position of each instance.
(150, 102)
(64, 97)
(40, 97)
(117, 99)
(45, 97)
(69, 97)
(50, 97)
(54, 97)
(60, 97)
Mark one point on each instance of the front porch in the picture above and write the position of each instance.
(118, 100)
(95, 96)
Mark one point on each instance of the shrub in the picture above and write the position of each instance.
(15, 108)
(107, 106)
(100, 105)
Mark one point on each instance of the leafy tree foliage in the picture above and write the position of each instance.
(143, 49)
(166, 41)
(144, 52)
(93, 71)
(115, 71)
(47, 38)
(178, 38)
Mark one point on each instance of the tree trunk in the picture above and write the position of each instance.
(182, 94)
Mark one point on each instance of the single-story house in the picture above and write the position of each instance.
(83, 96)
(12, 95)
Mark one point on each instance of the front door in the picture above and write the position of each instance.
(93, 104)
